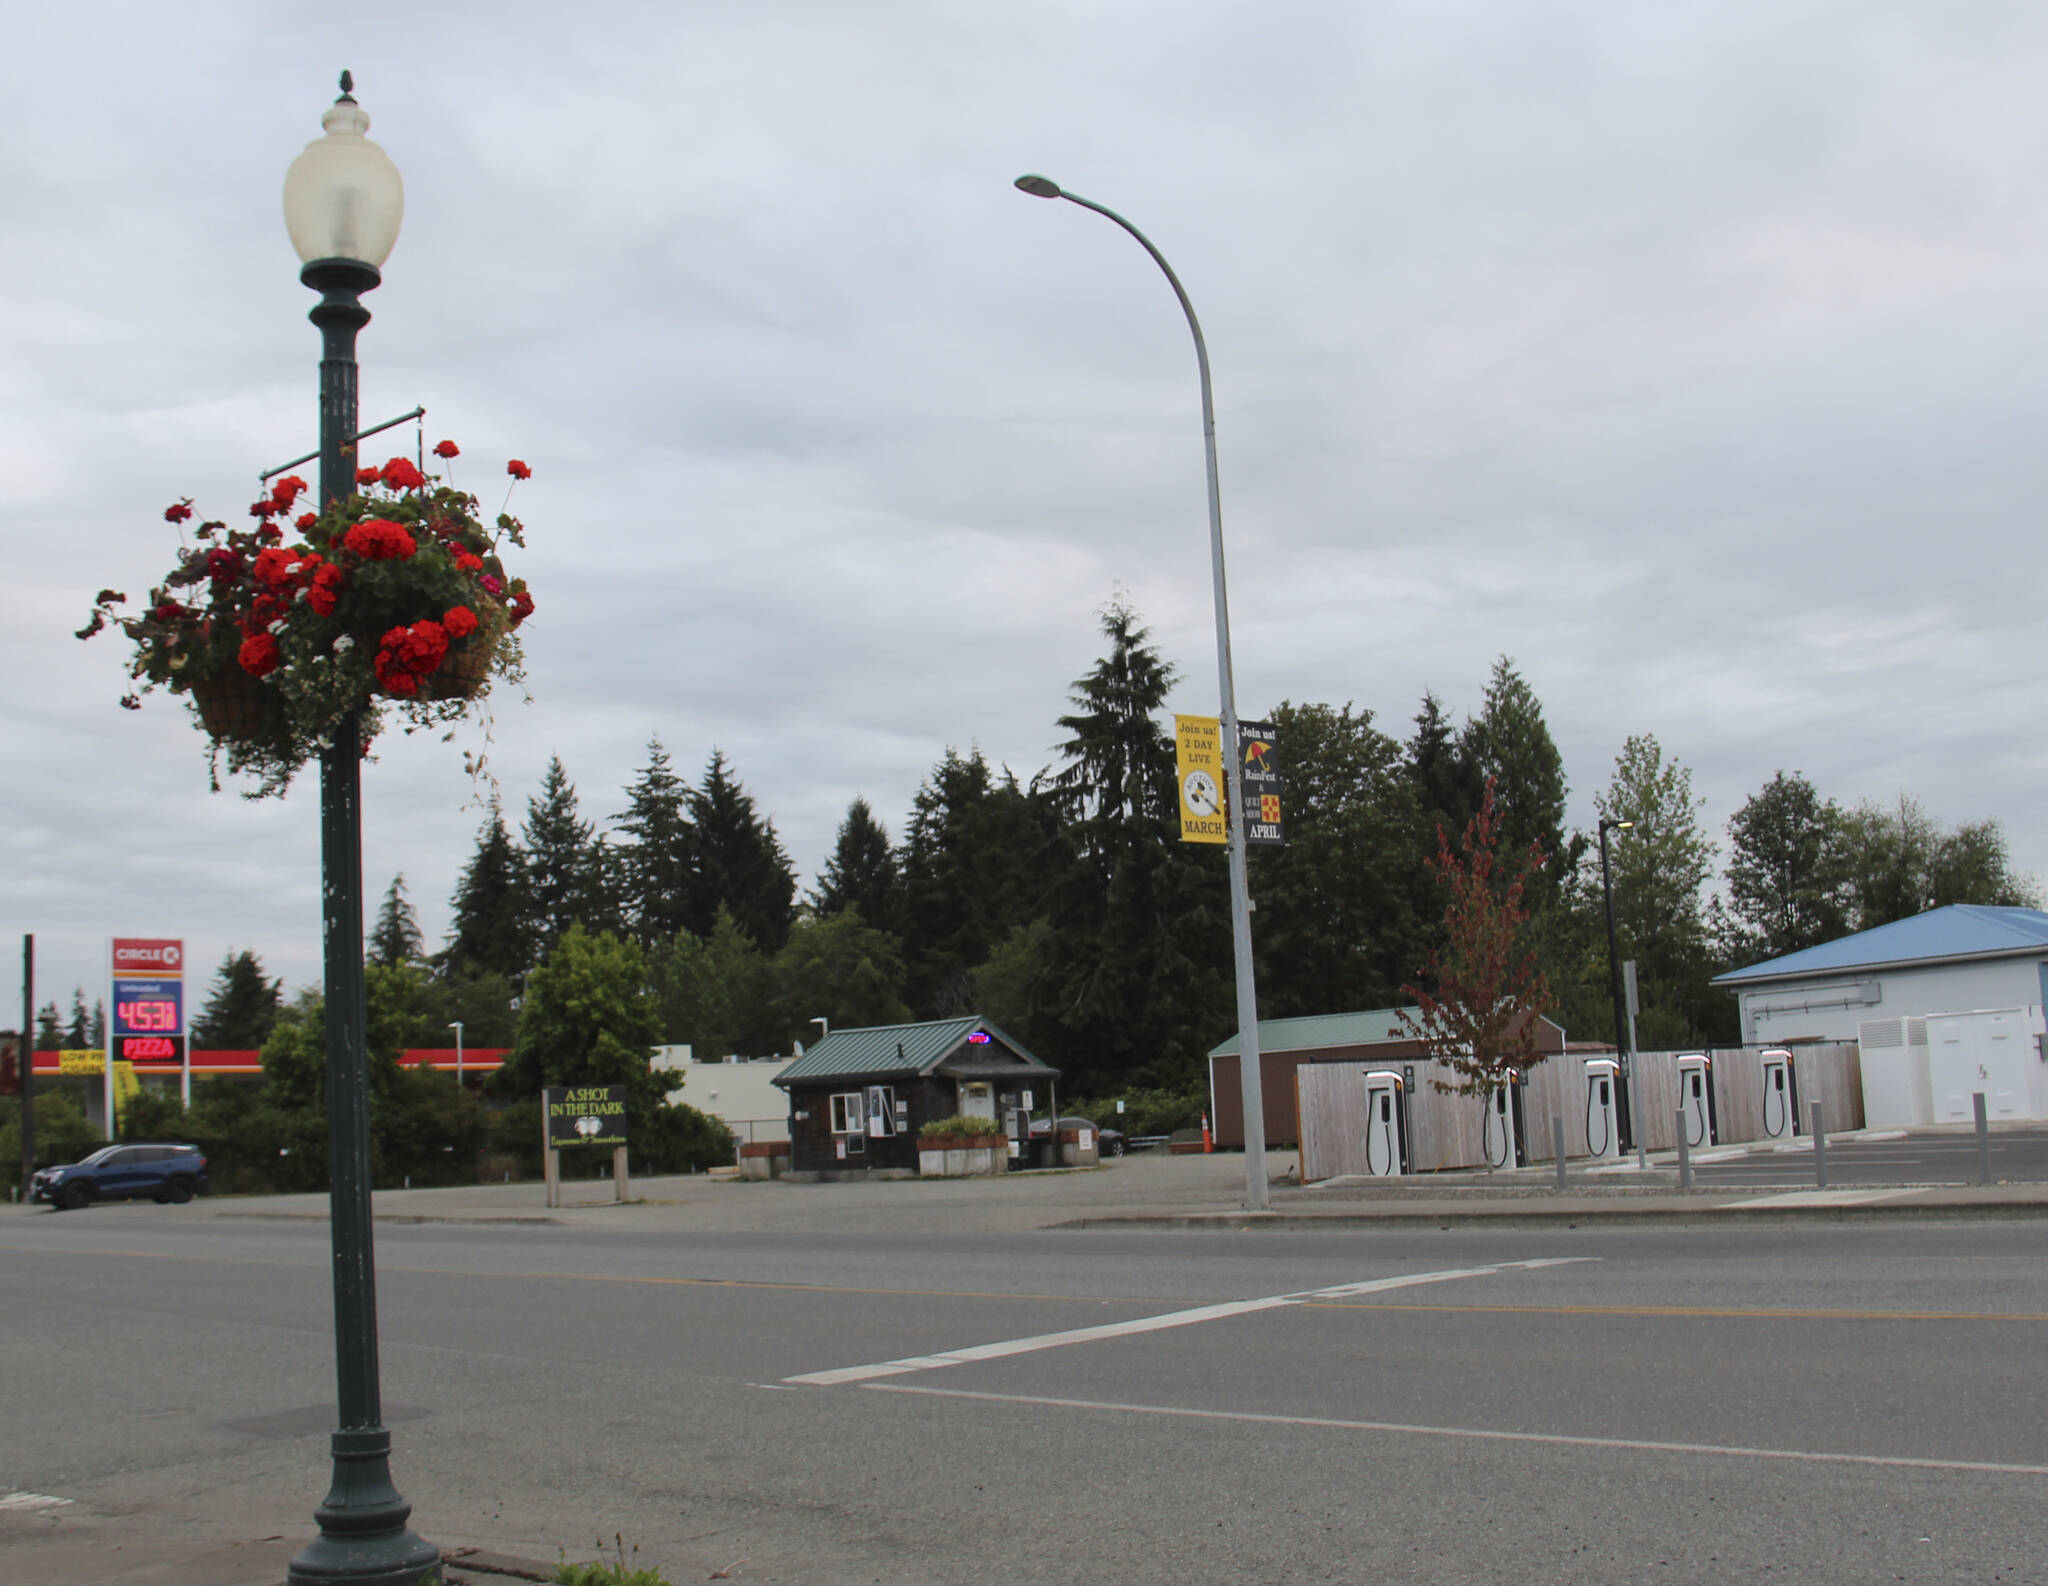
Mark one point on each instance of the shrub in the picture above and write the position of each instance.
(962, 1125)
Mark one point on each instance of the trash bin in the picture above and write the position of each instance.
(1045, 1152)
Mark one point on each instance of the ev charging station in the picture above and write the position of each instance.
(1603, 1111)
(1386, 1124)
(1499, 1134)
(1781, 1095)
(1696, 1099)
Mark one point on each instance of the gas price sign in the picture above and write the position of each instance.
(149, 1020)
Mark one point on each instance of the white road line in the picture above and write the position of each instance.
(1480, 1434)
(1829, 1197)
(1154, 1324)
(18, 1501)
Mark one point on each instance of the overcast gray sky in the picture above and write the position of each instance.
(1689, 354)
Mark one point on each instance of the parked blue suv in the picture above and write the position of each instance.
(122, 1172)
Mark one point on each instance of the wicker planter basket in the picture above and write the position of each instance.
(232, 704)
(461, 675)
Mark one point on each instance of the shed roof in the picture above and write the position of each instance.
(885, 1049)
(1324, 1029)
(1959, 931)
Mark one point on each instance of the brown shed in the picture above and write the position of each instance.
(1375, 1036)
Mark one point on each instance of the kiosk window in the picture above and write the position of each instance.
(849, 1114)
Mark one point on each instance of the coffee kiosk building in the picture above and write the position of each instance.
(858, 1098)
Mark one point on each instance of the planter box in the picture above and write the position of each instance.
(761, 1159)
(1080, 1148)
(962, 1156)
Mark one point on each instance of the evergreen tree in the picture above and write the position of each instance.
(490, 932)
(862, 872)
(49, 1028)
(843, 969)
(1788, 873)
(1509, 744)
(241, 1008)
(977, 853)
(658, 867)
(740, 861)
(1447, 783)
(96, 1030)
(1140, 936)
(716, 993)
(1344, 918)
(79, 1034)
(566, 871)
(396, 938)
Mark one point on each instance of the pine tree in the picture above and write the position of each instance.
(740, 862)
(862, 872)
(396, 938)
(79, 1033)
(242, 1007)
(49, 1028)
(659, 866)
(1447, 783)
(1509, 744)
(565, 868)
(492, 909)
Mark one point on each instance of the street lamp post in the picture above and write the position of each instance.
(456, 1026)
(1248, 1066)
(343, 201)
(1614, 967)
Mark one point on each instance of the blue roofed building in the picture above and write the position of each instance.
(1948, 960)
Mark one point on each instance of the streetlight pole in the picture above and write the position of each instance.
(1614, 953)
(343, 201)
(1249, 1072)
(456, 1026)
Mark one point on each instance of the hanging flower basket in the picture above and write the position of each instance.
(396, 596)
(232, 704)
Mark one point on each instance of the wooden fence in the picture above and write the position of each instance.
(1447, 1132)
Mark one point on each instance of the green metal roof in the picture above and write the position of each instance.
(886, 1049)
(1323, 1029)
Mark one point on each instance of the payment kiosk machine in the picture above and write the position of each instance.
(1499, 1135)
(1386, 1124)
(1781, 1095)
(1603, 1112)
(1696, 1098)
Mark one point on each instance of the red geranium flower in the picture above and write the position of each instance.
(468, 561)
(460, 622)
(224, 566)
(380, 540)
(271, 564)
(518, 470)
(492, 584)
(169, 611)
(447, 449)
(327, 586)
(258, 655)
(366, 476)
(286, 491)
(266, 508)
(400, 474)
(522, 607)
(178, 513)
(270, 534)
(305, 520)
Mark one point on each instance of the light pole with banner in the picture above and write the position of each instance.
(343, 202)
(1628, 1067)
(1250, 1075)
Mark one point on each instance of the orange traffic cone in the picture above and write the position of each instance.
(1208, 1141)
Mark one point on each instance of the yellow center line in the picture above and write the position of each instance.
(1719, 1311)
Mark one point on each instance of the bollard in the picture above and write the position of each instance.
(1684, 1154)
(1557, 1146)
(1983, 1139)
(1820, 1149)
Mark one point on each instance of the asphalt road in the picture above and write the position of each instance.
(1809, 1403)
(2017, 1156)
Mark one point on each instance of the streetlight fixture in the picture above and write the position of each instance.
(1248, 1066)
(343, 201)
(1607, 824)
(456, 1026)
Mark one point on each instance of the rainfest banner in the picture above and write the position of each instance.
(585, 1115)
(1261, 772)
(1198, 760)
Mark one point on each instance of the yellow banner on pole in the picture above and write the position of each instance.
(126, 1086)
(1198, 757)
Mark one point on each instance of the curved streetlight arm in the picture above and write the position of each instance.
(1250, 1069)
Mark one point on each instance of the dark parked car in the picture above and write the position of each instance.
(123, 1172)
(1110, 1142)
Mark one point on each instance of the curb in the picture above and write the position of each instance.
(1298, 1222)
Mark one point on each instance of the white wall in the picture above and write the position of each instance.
(743, 1094)
(1913, 990)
